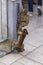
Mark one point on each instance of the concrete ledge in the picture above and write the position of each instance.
(5, 46)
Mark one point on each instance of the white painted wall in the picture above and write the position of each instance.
(12, 19)
(3, 20)
(0, 19)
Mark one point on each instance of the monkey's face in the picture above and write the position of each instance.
(25, 31)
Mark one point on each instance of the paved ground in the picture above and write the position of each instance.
(33, 54)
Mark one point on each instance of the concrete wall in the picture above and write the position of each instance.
(0, 19)
(3, 20)
(12, 19)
